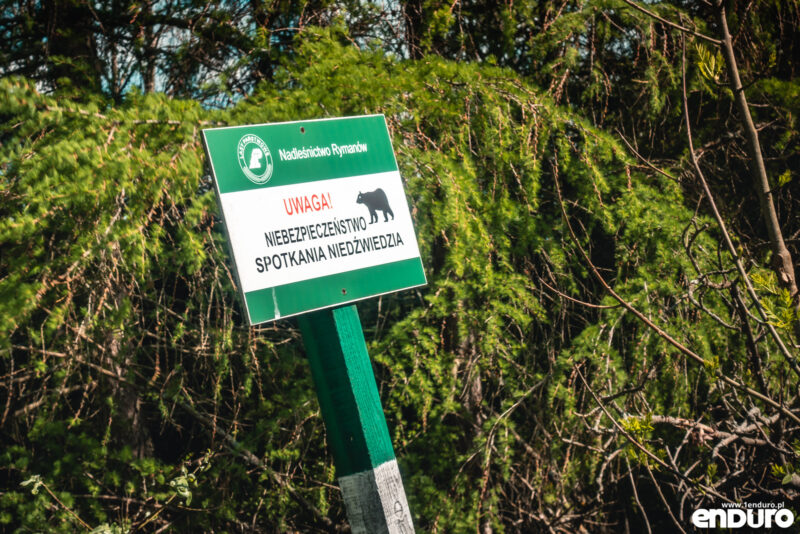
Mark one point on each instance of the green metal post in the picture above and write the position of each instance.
(366, 466)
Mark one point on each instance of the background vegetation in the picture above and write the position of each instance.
(609, 337)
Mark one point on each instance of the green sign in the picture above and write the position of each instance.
(315, 212)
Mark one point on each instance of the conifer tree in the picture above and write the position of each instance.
(598, 348)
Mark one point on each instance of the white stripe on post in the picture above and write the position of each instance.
(363, 491)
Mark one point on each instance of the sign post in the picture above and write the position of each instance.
(316, 218)
(356, 428)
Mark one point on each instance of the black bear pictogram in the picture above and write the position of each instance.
(376, 200)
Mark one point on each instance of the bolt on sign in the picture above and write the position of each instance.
(315, 212)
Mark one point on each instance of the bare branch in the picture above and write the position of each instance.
(782, 259)
(672, 24)
(721, 223)
(660, 331)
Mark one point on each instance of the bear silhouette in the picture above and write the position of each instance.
(374, 201)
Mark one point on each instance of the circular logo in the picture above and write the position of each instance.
(254, 159)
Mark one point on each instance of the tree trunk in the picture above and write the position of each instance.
(781, 258)
(150, 42)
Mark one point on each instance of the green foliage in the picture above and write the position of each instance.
(35, 483)
(776, 301)
(709, 63)
(132, 386)
(182, 486)
(105, 528)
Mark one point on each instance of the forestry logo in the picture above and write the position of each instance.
(254, 159)
(752, 515)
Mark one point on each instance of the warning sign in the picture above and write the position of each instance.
(315, 212)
